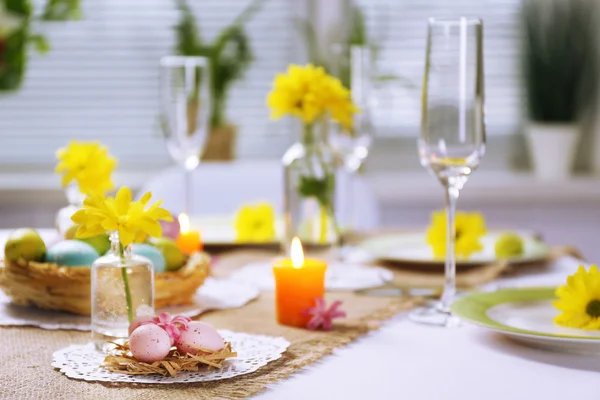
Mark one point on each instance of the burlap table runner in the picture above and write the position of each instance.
(27, 352)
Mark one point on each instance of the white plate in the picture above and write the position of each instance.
(412, 247)
(220, 229)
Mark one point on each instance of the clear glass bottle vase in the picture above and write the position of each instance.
(122, 289)
(310, 167)
(75, 199)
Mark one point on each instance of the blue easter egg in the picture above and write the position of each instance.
(151, 253)
(72, 253)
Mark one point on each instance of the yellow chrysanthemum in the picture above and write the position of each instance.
(579, 300)
(255, 224)
(308, 92)
(130, 218)
(470, 227)
(88, 164)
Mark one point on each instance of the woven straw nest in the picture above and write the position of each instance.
(63, 288)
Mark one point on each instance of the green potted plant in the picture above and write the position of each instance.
(16, 35)
(229, 56)
(560, 69)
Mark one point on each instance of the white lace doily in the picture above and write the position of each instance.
(214, 294)
(339, 276)
(254, 351)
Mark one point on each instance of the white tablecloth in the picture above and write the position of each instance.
(404, 360)
(407, 361)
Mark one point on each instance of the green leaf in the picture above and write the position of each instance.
(319, 188)
(188, 39)
(40, 43)
(62, 10)
(229, 54)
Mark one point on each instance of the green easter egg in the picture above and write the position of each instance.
(151, 253)
(174, 258)
(25, 243)
(101, 243)
(509, 245)
(72, 253)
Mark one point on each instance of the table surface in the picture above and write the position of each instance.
(410, 361)
(404, 360)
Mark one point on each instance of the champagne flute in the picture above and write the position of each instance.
(185, 106)
(452, 140)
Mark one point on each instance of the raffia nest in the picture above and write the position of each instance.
(120, 360)
(56, 287)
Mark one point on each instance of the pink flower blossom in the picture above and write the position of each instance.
(171, 325)
(322, 317)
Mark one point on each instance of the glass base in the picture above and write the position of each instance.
(434, 314)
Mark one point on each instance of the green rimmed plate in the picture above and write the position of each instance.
(526, 315)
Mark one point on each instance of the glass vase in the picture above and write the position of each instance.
(63, 217)
(122, 289)
(310, 167)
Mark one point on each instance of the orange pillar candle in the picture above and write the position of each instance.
(188, 241)
(298, 282)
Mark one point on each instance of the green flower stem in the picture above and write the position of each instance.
(126, 284)
(324, 201)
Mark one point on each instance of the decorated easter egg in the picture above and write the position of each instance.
(149, 343)
(25, 243)
(199, 334)
(72, 253)
(138, 321)
(151, 253)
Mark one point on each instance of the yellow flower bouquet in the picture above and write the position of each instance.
(315, 98)
(85, 168)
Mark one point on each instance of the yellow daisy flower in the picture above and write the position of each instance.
(130, 218)
(88, 164)
(254, 224)
(470, 227)
(308, 92)
(579, 300)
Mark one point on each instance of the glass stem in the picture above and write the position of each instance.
(187, 188)
(126, 284)
(450, 266)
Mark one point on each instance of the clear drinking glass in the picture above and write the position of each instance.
(353, 147)
(185, 106)
(452, 140)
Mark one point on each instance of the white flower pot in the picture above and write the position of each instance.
(552, 148)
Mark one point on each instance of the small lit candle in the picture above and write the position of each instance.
(188, 241)
(298, 282)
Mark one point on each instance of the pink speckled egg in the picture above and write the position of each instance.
(149, 343)
(139, 321)
(199, 334)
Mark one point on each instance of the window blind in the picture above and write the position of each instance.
(401, 28)
(100, 81)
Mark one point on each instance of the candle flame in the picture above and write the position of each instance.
(297, 254)
(184, 223)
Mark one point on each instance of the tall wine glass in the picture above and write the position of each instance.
(185, 106)
(452, 140)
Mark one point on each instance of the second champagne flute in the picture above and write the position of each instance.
(185, 105)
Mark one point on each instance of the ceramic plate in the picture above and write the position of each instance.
(526, 315)
(219, 231)
(412, 247)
